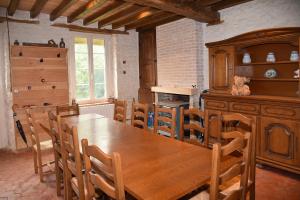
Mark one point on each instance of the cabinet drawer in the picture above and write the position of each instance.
(280, 111)
(244, 108)
(219, 105)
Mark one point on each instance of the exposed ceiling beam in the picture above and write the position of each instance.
(59, 10)
(108, 7)
(76, 28)
(227, 3)
(12, 7)
(135, 17)
(37, 7)
(82, 11)
(160, 22)
(149, 20)
(189, 10)
(123, 13)
(23, 21)
(207, 2)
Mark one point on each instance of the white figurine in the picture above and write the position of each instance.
(297, 73)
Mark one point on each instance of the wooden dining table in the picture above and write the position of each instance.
(153, 166)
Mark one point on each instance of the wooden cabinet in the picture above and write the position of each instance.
(279, 140)
(274, 102)
(221, 61)
(147, 69)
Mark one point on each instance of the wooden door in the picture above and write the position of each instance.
(279, 140)
(221, 60)
(148, 70)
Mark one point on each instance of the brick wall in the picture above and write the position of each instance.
(178, 53)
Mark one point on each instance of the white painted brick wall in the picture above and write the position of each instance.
(178, 53)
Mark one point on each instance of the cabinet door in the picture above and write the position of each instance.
(212, 126)
(279, 140)
(221, 61)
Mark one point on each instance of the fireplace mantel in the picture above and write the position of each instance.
(193, 93)
(175, 90)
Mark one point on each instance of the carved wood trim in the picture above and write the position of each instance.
(290, 134)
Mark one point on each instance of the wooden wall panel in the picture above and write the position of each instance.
(39, 77)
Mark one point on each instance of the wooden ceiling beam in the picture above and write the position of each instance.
(37, 7)
(227, 3)
(12, 7)
(111, 7)
(135, 17)
(160, 22)
(190, 10)
(23, 21)
(59, 10)
(161, 15)
(84, 10)
(120, 15)
(76, 28)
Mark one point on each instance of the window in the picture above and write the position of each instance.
(90, 69)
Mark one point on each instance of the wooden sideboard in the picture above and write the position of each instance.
(274, 102)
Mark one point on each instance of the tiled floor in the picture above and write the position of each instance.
(18, 181)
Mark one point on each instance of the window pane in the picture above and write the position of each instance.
(99, 60)
(82, 69)
(82, 92)
(99, 75)
(99, 68)
(82, 76)
(99, 90)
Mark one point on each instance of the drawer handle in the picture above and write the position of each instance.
(20, 54)
(41, 60)
(58, 55)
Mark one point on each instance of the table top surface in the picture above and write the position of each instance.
(153, 166)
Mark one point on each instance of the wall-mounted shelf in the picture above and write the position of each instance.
(275, 79)
(271, 63)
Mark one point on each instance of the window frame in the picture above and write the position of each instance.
(92, 99)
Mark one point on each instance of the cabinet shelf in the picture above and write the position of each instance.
(276, 79)
(271, 63)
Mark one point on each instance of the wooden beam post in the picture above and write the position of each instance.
(12, 7)
(37, 7)
(188, 9)
(76, 28)
(85, 9)
(106, 8)
(63, 6)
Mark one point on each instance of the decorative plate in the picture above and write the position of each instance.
(271, 73)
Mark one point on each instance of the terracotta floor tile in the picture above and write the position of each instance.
(18, 181)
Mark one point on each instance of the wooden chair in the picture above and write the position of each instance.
(165, 121)
(120, 110)
(72, 163)
(67, 110)
(37, 148)
(240, 143)
(55, 122)
(194, 126)
(139, 115)
(113, 188)
(238, 122)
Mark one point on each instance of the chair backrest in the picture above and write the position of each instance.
(120, 110)
(234, 122)
(34, 136)
(71, 156)
(54, 122)
(194, 124)
(67, 110)
(165, 121)
(139, 115)
(240, 142)
(113, 188)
